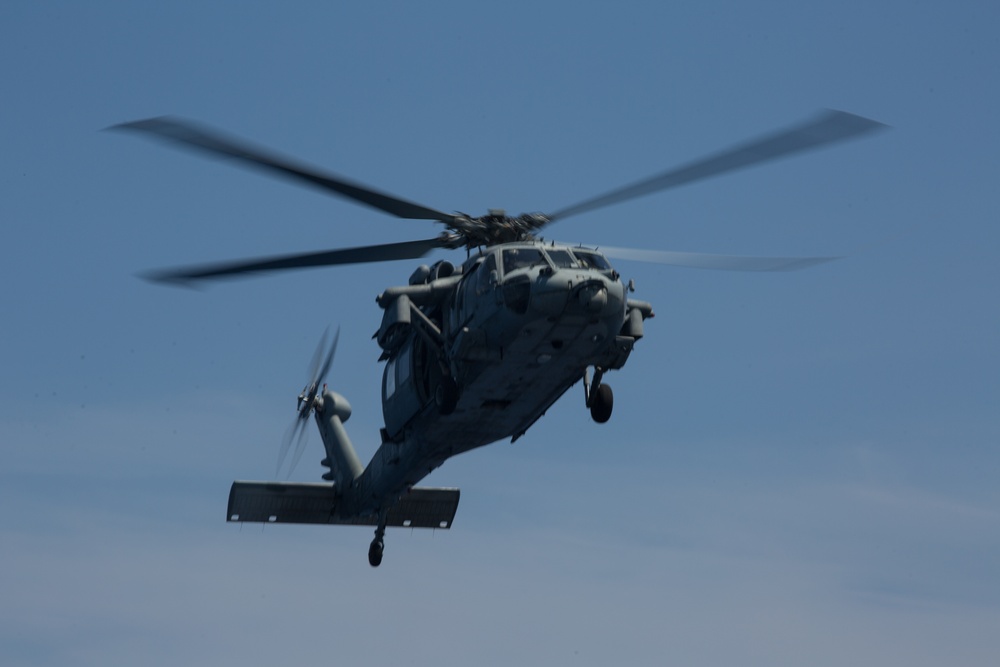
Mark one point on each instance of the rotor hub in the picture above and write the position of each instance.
(496, 227)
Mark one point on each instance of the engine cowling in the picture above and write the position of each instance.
(396, 324)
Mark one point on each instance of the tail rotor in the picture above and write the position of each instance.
(308, 400)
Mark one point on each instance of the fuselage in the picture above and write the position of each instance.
(518, 327)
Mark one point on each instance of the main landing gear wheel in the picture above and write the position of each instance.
(446, 395)
(602, 403)
(375, 552)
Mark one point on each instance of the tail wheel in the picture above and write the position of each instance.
(602, 403)
(375, 553)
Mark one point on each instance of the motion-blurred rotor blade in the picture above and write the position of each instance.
(829, 127)
(296, 433)
(214, 142)
(321, 376)
(314, 365)
(717, 262)
(300, 448)
(373, 253)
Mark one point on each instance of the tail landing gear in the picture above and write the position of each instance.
(377, 545)
(375, 552)
(600, 398)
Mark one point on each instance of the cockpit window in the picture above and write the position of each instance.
(592, 260)
(520, 258)
(561, 258)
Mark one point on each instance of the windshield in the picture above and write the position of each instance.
(520, 258)
(562, 259)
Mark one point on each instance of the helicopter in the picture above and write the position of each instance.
(474, 352)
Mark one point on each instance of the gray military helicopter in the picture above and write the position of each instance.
(475, 352)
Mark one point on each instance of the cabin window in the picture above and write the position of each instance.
(390, 378)
(521, 258)
(403, 366)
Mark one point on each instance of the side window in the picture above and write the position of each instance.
(592, 260)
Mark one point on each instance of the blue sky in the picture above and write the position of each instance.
(801, 468)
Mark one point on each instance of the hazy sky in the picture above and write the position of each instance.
(801, 468)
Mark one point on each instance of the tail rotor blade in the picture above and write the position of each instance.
(300, 448)
(298, 432)
(329, 358)
(294, 432)
(314, 365)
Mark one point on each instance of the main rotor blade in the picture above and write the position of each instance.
(213, 142)
(373, 253)
(829, 127)
(697, 260)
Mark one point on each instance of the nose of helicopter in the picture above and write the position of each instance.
(567, 292)
(593, 297)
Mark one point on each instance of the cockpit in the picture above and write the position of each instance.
(519, 274)
(514, 259)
